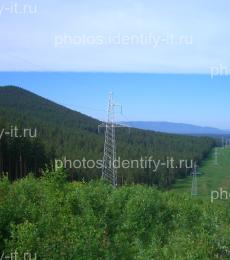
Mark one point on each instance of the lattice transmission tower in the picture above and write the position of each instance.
(194, 191)
(216, 156)
(109, 170)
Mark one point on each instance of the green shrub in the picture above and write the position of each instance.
(60, 220)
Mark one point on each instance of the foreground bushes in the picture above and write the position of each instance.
(60, 220)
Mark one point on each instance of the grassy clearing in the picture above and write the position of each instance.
(214, 175)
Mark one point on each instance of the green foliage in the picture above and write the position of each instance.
(60, 220)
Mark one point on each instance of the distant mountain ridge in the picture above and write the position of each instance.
(176, 128)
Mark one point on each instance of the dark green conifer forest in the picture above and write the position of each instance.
(62, 132)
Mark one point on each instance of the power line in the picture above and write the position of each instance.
(27, 62)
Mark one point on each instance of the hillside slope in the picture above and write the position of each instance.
(64, 132)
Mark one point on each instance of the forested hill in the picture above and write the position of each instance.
(33, 107)
(64, 132)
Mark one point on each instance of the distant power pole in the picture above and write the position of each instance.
(216, 156)
(109, 170)
(194, 181)
(223, 142)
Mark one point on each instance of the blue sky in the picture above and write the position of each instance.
(143, 40)
(56, 35)
(194, 99)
